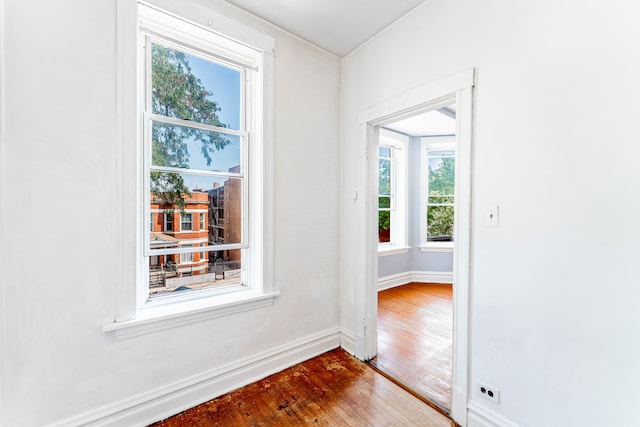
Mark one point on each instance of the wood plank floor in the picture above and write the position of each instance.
(415, 325)
(333, 389)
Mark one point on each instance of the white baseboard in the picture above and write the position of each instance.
(480, 416)
(400, 279)
(155, 405)
(348, 341)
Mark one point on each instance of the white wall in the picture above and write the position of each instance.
(58, 246)
(554, 318)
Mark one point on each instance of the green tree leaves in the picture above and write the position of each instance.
(177, 93)
(441, 191)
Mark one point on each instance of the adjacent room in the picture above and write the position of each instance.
(416, 195)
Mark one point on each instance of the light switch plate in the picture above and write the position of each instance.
(491, 216)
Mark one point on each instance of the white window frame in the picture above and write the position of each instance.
(201, 217)
(195, 23)
(431, 143)
(182, 221)
(399, 192)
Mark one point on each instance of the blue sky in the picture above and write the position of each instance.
(224, 83)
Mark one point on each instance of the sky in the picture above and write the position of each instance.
(224, 83)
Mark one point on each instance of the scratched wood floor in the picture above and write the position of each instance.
(415, 325)
(333, 389)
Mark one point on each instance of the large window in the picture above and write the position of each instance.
(201, 102)
(392, 191)
(438, 190)
(195, 100)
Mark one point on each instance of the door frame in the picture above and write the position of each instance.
(456, 88)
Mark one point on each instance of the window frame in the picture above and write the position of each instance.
(399, 220)
(432, 143)
(169, 219)
(183, 216)
(133, 316)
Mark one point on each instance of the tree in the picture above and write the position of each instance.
(177, 93)
(441, 190)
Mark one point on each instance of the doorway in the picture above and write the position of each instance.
(457, 89)
(416, 206)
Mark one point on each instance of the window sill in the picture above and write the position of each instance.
(160, 318)
(392, 250)
(436, 247)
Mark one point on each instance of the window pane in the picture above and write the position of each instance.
(384, 176)
(384, 152)
(441, 173)
(194, 271)
(384, 202)
(186, 222)
(187, 87)
(384, 226)
(190, 148)
(177, 194)
(439, 223)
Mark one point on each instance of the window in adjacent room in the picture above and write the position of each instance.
(438, 189)
(392, 191)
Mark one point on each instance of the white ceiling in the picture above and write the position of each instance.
(432, 123)
(338, 26)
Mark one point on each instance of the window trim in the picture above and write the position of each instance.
(431, 143)
(130, 317)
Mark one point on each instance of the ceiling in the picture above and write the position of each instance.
(338, 26)
(432, 123)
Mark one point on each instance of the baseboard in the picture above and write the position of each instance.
(155, 405)
(400, 279)
(480, 416)
(347, 341)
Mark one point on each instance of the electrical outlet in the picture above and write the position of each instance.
(488, 392)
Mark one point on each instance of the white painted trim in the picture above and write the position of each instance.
(433, 277)
(459, 400)
(400, 279)
(347, 341)
(3, 344)
(173, 315)
(162, 402)
(386, 250)
(407, 101)
(458, 87)
(431, 247)
(480, 416)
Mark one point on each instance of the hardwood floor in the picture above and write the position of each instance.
(415, 324)
(333, 389)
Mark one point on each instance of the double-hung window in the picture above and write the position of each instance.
(438, 158)
(392, 192)
(195, 99)
(202, 111)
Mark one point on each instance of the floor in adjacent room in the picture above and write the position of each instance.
(415, 325)
(333, 389)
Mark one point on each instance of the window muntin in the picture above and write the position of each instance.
(197, 160)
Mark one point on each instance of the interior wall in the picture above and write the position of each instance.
(59, 163)
(554, 291)
(414, 259)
